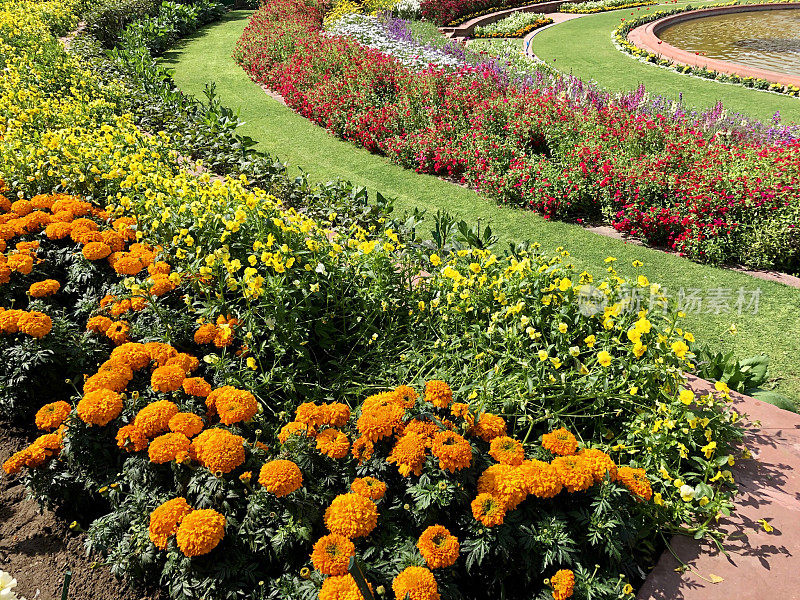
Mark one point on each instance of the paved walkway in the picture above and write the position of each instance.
(759, 565)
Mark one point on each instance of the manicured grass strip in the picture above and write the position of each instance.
(584, 48)
(207, 57)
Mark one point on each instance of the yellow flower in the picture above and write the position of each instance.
(642, 281)
(604, 358)
(562, 327)
(686, 396)
(435, 260)
(590, 340)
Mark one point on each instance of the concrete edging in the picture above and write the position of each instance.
(646, 38)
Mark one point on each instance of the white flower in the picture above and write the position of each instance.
(687, 493)
(7, 585)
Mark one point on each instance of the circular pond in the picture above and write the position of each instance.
(765, 39)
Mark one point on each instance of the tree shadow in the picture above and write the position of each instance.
(171, 57)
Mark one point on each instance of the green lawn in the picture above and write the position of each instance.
(207, 57)
(596, 57)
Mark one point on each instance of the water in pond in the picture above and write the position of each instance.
(766, 39)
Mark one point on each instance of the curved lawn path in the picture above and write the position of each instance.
(206, 57)
(594, 56)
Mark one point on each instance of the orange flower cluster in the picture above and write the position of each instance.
(340, 587)
(52, 415)
(219, 334)
(507, 451)
(351, 515)
(99, 407)
(332, 553)
(168, 447)
(560, 442)
(232, 405)
(438, 393)
(219, 450)
(309, 420)
(167, 378)
(333, 443)
(200, 532)
(636, 481)
(416, 583)
(36, 454)
(41, 289)
(165, 520)
(563, 584)
(438, 547)
(34, 323)
(197, 532)
(452, 450)
(369, 487)
(280, 477)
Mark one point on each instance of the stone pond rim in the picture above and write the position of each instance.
(646, 37)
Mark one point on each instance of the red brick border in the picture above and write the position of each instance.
(646, 37)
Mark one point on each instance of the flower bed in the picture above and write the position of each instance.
(514, 26)
(242, 408)
(620, 37)
(455, 12)
(602, 6)
(563, 149)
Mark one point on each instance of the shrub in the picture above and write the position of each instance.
(107, 20)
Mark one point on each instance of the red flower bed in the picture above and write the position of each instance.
(655, 176)
(449, 12)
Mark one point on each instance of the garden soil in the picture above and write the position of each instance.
(37, 547)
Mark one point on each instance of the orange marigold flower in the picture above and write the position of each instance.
(130, 439)
(165, 519)
(351, 515)
(489, 426)
(280, 477)
(504, 482)
(52, 415)
(337, 414)
(138, 303)
(117, 332)
(22, 207)
(574, 472)
(120, 308)
(379, 421)
(311, 414)
(424, 427)
(369, 487)
(563, 584)
(189, 424)
(362, 449)
(133, 354)
(98, 324)
(636, 481)
(599, 463)
(560, 442)
(20, 263)
(332, 553)
(114, 241)
(40, 289)
(459, 409)
(452, 450)
(294, 428)
(541, 478)
(232, 405)
(127, 264)
(408, 454)
(162, 284)
(205, 334)
(168, 378)
(35, 324)
(9, 320)
(196, 386)
(507, 450)
(185, 361)
(219, 450)
(406, 396)
(159, 268)
(200, 532)
(340, 587)
(169, 447)
(160, 353)
(438, 547)
(154, 418)
(92, 250)
(99, 407)
(415, 583)
(14, 464)
(5, 273)
(488, 510)
(333, 443)
(438, 393)
(223, 337)
(109, 379)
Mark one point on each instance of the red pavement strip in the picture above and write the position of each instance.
(759, 565)
(646, 37)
